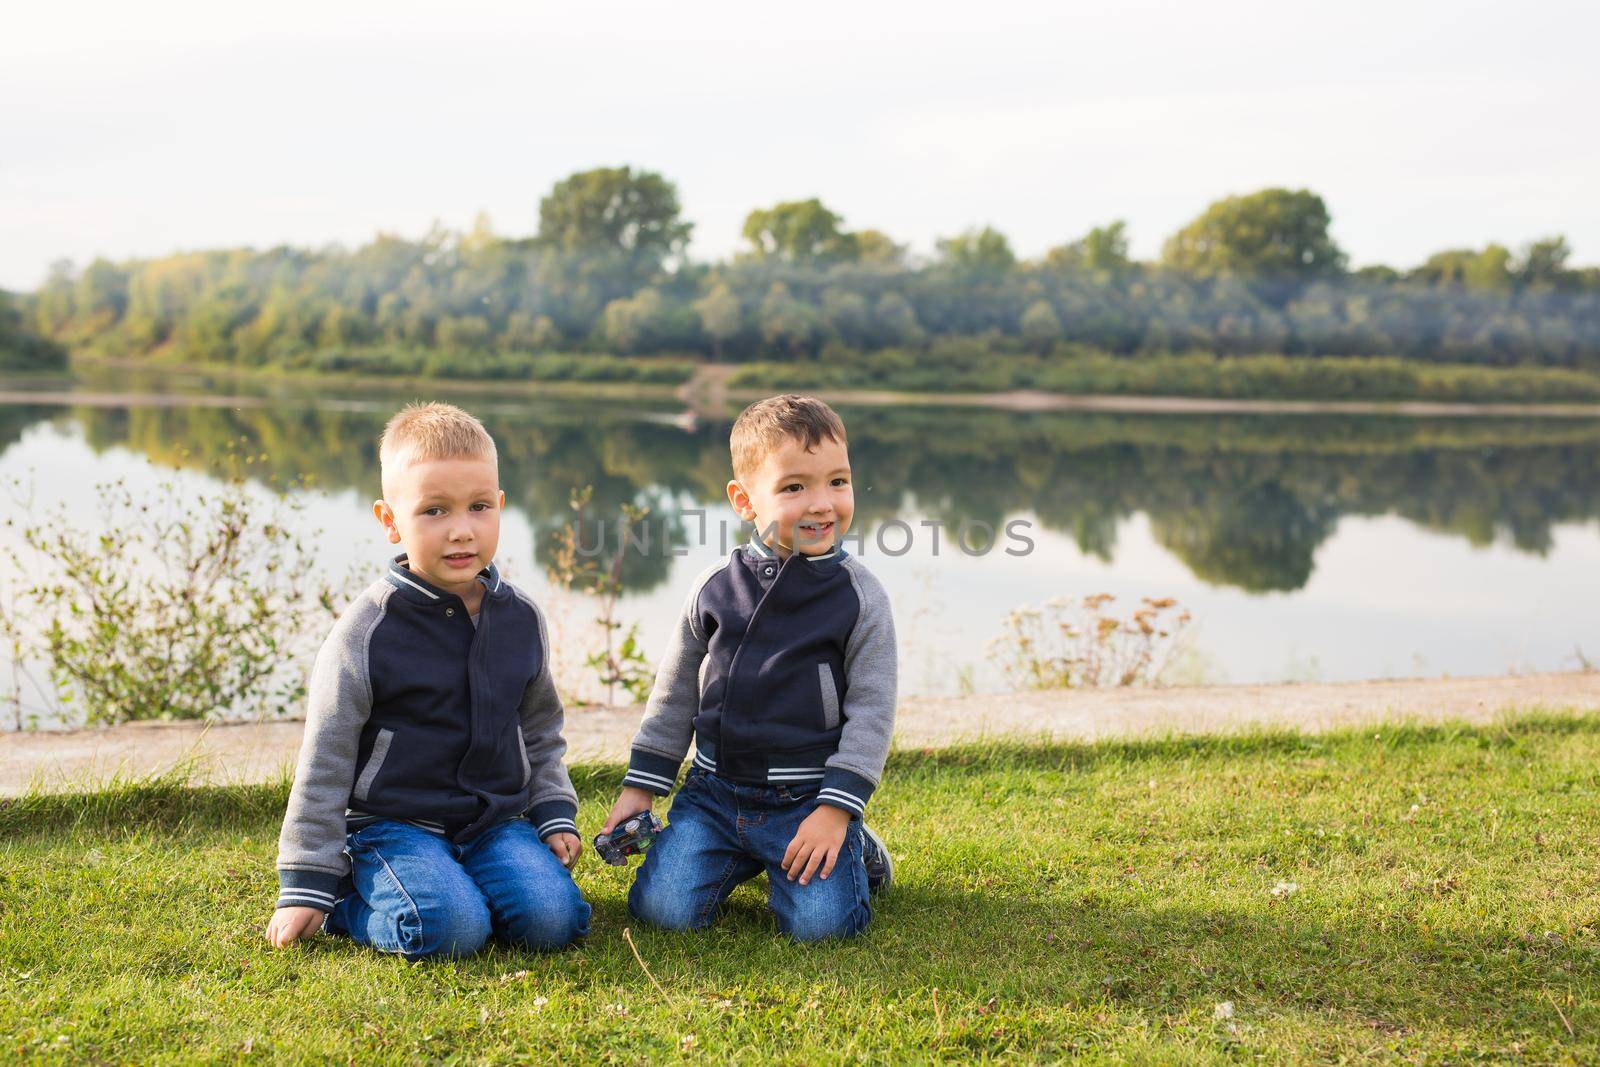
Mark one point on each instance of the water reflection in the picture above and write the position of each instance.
(1242, 501)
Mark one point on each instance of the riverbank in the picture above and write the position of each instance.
(264, 752)
(85, 370)
(712, 391)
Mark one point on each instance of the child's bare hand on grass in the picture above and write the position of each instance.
(292, 924)
(631, 801)
(816, 844)
(567, 847)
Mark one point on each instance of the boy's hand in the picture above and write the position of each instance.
(816, 843)
(291, 924)
(566, 847)
(631, 801)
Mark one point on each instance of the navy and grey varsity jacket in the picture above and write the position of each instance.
(414, 713)
(783, 671)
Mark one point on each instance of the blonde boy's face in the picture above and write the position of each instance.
(805, 498)
(446, 513)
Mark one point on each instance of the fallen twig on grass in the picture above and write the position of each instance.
(1557, 1007)
(627, 935)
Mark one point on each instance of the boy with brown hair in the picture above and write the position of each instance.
(782, 669)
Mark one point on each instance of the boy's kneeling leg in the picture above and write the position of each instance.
(691, 868)
(411, 897)
(836, 906)
(533, 901)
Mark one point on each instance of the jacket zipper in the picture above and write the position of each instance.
(733, 664)
(475, 681)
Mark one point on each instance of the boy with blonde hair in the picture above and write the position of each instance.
(431, 809)
(782, 669)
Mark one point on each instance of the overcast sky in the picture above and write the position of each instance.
(140, 129)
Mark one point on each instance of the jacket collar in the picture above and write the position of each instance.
(754, 549)
(419, 590)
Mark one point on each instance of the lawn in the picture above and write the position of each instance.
(1415, 894)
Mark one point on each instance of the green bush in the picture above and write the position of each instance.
(965, 366)
(499, 366)
(177, 605)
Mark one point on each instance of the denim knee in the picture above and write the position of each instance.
(810, 926)
(548, 921)
(832, 908)
(661, 907)
(459, 929)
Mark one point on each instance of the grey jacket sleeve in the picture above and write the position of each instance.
(311, 855)
(871, 669)
(553, 801)
(668, 725)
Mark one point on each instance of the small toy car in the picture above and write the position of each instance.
(630, 837)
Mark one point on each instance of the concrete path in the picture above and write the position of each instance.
(256, 752)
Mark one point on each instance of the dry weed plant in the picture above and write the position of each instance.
(1068, 643)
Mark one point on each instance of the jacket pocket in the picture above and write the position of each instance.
(830, 697)
(369, 773)
(527, 767)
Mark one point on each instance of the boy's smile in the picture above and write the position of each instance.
(800, 501)
(446, 513)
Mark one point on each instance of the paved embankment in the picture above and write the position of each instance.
(254, 752)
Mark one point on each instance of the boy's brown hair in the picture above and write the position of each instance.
(766, 424)
(420, 432)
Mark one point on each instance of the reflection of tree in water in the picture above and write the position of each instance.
(544, 456)
(1261, 540)
(17, 420)
(1242, 501)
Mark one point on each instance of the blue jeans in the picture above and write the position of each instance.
(721, 833)
(420, 894)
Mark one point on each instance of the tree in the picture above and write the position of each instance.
(1104, 248)
(878, 248)
(895, 320)
(463, 333)
(1489, 269)
(786, 321)
(481, 236)
(1544, 262)
(846, 312)
(1041, 327)
(615, 211)
(1275, 234)
(1377, 274)
(53, 304)
(798, 231)
(525, 332)
(720, 316)
(982, 252)
(20, 348)
(101, 295)
(631, 324)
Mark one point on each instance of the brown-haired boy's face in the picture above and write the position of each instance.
(800, 501)
(446, 512)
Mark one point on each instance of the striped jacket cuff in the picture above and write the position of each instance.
(845, 789)
(554, 817)
(649, 771)
(306, 889)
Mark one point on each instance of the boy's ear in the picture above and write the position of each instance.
(740, 500)
(385, 516)
(502, 505)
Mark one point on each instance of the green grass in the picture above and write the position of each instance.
(1063, 899)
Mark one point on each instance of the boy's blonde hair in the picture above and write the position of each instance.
(420, 432)
(766, 424)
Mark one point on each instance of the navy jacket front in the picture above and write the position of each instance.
(783, 671)
(416, 714)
